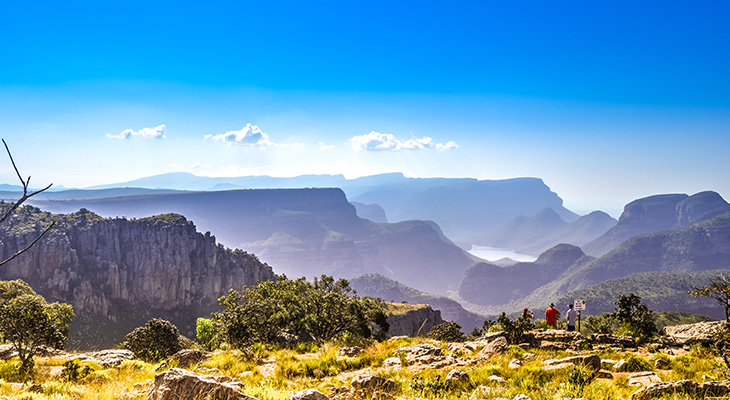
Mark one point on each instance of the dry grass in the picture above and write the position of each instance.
(270, 374)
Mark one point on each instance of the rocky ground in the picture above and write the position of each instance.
(459, 358)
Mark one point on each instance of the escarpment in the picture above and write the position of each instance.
(113, 270)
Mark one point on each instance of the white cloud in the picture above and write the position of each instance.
(250, 135)
(157, 132)
(376, 141)
(174, 166)
(325, 147)
(200, 166)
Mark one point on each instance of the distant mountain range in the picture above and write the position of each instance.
(704, 245)
(536, 234)
(658, 213)
(462, 207)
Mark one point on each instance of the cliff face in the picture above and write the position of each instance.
(417, 322)
(118, 268)
(658, 213)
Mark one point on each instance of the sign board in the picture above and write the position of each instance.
(579, 305)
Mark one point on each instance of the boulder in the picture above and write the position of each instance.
(592, 361)
(424, 353)
(106, 358)
(187, 357)
(176, 383)
(701, 390)
(308, 394)
(372, 383)
(661, 363)
(496, 346)
(689, 334)
(643, 378)
(556, 335)
(457, 376)
(350, 351)
(613, 340)
(515, 363)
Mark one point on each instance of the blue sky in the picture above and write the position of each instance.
(605, 102)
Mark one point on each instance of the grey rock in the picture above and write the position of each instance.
(457, 375)
(515, 364)
(350, 351)
(702, 390)
(176, 383)
(592, 361)
(689, 334)
(372, 383)
(308, 394)
(497, 346)
(187, 357)
(643, 378)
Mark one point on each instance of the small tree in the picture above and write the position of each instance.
(207, 334)
(514, 329)
(718, 289)
(28, 322)
(635, 315)
(156, 340)
(447, 332)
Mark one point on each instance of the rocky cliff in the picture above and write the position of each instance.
(417, 320)
(114, 270)
(658, 213)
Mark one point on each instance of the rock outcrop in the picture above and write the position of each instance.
(688, 334)
(417, 322)
(111, 270)
(176, 383)
(714, 389)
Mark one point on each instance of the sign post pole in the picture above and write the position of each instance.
(579, 305)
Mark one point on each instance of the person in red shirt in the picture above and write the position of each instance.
(552, 315)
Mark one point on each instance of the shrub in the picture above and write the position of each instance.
(605, 323)
(579, 377)
(633, 363)
(290, 311)
(447, 332)
(207, 334)
(73, 372)
(514, 329)
(157, 340)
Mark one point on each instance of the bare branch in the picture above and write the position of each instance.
(20, 201)
(29, 246)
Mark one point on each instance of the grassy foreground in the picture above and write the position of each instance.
(274, 374)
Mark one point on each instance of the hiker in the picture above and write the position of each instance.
(552, 315)
(570, 317)
(527, 314)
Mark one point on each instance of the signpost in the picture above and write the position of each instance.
(579, 305)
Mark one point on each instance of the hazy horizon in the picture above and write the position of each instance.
(606, 103)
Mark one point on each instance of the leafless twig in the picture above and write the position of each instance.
(19, 202)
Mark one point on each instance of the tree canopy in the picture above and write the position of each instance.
(306, 311)
(28, 322)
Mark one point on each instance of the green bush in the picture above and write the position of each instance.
(514, 329)
(207, 334)
(157, 340)
(447, 332)
(633, 363)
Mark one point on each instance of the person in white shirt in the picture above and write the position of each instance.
(571, 316)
